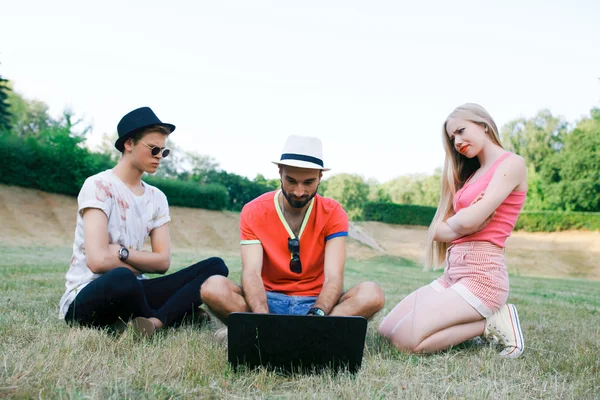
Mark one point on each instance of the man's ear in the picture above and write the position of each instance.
(128, 145)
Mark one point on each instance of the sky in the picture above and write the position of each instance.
(374, 80)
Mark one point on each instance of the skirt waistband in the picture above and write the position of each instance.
(476, 246)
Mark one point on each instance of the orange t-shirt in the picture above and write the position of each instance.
(262, 222)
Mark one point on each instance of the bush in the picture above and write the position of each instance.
(240, 190)
(554, 221)
(193, 195)
(402, 214)
(55, 162)
(529, 221)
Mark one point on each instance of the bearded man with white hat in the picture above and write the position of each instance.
(293, 246)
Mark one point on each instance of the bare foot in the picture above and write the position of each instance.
(157, 322)
(143, 327)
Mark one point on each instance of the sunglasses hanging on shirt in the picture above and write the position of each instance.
(294, 248)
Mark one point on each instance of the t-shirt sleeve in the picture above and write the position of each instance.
(247, 235)
(96, 193)
(161, 210)
(337, 225)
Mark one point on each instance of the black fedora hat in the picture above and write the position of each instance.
(136, 121)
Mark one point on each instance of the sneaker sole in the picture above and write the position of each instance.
(517, 331)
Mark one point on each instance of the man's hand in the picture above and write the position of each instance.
(114, 250)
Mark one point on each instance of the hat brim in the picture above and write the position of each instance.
(300, 164)
(120, 143)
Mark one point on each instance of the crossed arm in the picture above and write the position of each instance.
(510, 174)
(102, 256)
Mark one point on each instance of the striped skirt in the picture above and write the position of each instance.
(477, 272)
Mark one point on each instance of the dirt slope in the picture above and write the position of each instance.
(29, 217)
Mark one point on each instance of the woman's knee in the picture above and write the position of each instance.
(384, 329)
(405, 342)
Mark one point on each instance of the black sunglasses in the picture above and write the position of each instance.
(294, 248)
(155, 149)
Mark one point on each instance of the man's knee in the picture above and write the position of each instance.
(214, 288)
(120, 273)
(370, 293)
(122, 280)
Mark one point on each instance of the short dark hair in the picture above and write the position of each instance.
(155, 128)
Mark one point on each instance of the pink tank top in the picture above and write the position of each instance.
(503, 222)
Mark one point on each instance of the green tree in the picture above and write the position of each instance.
(578, 186)
(431, 189)
(241, 190)
(536, 139)
(200, 164)
(272, 184)
(351, 191)
(176, 165)
(107, 147)
(377, 192)
(419, 189)
(5, 114)
(28, 117)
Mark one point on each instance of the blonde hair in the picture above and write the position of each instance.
(457, 169)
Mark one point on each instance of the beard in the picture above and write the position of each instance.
(296, 202)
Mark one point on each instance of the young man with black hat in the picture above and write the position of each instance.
(117, 211)
(293, 246)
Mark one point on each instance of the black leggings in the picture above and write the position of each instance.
(118, 294)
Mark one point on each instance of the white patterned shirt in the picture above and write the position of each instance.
(131, 218)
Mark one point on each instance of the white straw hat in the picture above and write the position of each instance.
(302, 152)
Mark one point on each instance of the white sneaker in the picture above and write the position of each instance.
(504, 325)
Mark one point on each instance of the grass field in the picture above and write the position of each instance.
(43, 358)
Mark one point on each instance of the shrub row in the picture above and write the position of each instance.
(189, 194)
(530, 221)
(57, 166)
(402, 214)
(554, 221)
(57, 163)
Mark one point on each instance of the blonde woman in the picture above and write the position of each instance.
(483, 191)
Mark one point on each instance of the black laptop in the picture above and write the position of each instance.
(296, 343)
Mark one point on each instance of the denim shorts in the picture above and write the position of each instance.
(283, 304)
